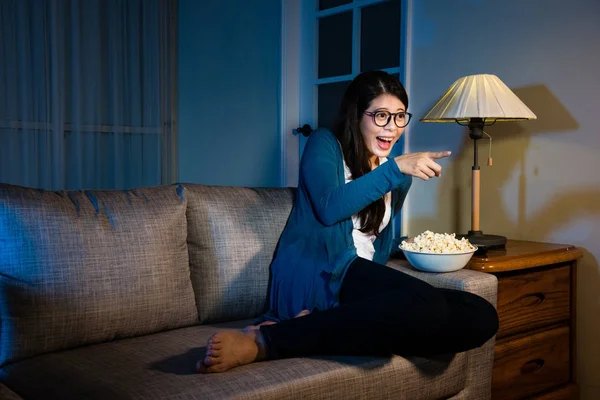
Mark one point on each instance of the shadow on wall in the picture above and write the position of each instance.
(514, 182)
(513, 141)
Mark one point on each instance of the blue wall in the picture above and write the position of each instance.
(229, 82)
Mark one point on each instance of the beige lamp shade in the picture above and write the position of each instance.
(478, 96)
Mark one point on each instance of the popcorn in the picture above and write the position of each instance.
(440, 243)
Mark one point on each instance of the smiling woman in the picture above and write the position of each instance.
(330, 290)
(381, 117)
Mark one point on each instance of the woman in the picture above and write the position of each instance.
(329, 270)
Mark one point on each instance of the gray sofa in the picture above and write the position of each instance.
(113, 294)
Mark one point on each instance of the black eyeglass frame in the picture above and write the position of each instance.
(373, 113)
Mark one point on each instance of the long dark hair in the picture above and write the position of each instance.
(357, 98)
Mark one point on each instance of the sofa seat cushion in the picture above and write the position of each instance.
(161, 366)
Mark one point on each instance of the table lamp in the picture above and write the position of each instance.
(477, 101)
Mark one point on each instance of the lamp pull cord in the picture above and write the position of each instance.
(489, 163)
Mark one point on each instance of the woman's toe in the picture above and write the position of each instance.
(210, 360)
(200, 367)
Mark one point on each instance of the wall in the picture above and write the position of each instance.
(229, 75)
(544, 184)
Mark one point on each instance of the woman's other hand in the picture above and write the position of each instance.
(421, 165)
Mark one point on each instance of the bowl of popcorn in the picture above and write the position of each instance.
(437, 252)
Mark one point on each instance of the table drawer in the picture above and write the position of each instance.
(530, 364)
(534, 299)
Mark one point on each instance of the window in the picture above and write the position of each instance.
(353, 37)
(87, 93)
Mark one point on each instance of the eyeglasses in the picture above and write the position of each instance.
(382, 118)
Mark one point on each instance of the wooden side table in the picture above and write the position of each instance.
(535, 344)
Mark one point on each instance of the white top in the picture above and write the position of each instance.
(363, 241)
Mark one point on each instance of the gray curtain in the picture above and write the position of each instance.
(87, 93)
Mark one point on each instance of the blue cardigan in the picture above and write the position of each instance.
(316, 247)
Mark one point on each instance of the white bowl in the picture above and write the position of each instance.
(438, 262)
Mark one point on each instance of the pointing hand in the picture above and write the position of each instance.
(421, 165)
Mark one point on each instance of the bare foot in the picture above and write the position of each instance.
(230, 349)
(254, 327)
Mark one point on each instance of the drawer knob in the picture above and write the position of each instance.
(532, 366)
(533, 299)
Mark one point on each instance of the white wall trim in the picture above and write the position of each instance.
(290, 90)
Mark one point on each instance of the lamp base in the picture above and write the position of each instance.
(484, 242)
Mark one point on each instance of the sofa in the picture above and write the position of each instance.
(113, 295)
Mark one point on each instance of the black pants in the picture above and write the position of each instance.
(384, 311)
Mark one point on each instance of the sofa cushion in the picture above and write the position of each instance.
(81, 267)
(232, 235)
(161, 366)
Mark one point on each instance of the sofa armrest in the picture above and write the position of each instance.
(479, 283)
(480, 361)
(7, 394)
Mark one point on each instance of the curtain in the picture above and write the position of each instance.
(87, 93)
